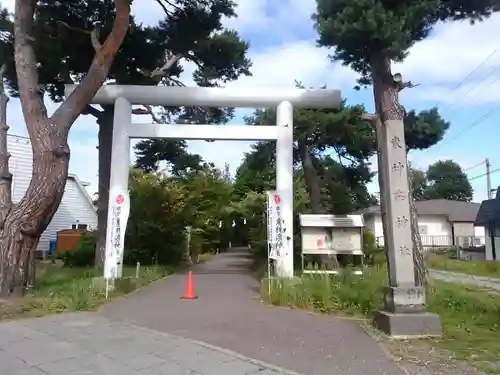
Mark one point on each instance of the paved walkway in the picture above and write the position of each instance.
(229, 314)
(462, 278)
(86, 344)
(154, 332)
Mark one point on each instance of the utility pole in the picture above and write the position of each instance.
(488, 177)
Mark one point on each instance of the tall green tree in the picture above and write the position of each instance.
(149, 153)
(342, 133)
(338, 151)
(447, 180)
(22, 224)
(367, 35)
(190, 31)
(257, 172)
(418, 183)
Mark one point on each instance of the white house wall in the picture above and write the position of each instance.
(479, 232)
(75, 207)
(437, 230)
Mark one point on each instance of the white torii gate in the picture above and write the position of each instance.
(124, 97)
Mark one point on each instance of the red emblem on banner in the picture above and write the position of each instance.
(277, 199)
(319, 243)
(120, 199)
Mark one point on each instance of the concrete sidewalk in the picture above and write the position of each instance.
(229, 314)
(87, 344)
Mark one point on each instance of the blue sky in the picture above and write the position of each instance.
(283, 49)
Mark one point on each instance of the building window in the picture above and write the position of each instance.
(422, 229)
(79, 226)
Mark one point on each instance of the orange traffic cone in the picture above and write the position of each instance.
(189, 294)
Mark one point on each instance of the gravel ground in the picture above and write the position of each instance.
(462, 278)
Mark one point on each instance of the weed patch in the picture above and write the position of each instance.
(470, 316)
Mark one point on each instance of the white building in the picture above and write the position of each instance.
(76, 209)
(441, 222)
(488, 218)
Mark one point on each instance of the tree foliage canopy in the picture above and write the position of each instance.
(192, 29)
(424, 129)
(447, 180)
(444, 179)
(360, 30)
(150, 152)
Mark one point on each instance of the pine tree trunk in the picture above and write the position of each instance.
(421, 272)
(5, 176)
(311, 179)
(386, 95)
(31, 267)
(314, 191)
(380, 161)
(23, 223)
(105, 142)
(27, 220)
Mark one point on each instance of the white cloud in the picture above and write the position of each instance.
(281, 65)
(268, 17)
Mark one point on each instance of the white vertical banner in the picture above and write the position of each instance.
(119, 210)
(274, 225)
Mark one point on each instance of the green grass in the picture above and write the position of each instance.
(60, 289)
(487, 268)
(470, 317)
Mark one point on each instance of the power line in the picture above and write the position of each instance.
(475, 123)
(473, 71)
(478, 84)
(491, 84)
(484, 174)
(488, 114)
(473, 167)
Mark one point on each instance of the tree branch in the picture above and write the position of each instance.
(26, 65)
(369, 117)
(406, 85)
(94, 39)
(68, 111)
(176, 82)
(89, 110)
(147, 110)
(94, 34)
(5, 175)
(164, 3)
(161, 72)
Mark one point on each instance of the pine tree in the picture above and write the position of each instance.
(367, 35)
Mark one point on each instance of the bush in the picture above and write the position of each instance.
(83, 255)
(374, 255)
(155, 229)
(346, 293)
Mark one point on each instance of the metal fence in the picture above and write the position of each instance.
(434, 241)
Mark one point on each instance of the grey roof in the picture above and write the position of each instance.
(81, 186)
(489, 210)
(456, 211)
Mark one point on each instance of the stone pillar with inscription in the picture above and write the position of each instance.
(404, 313)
